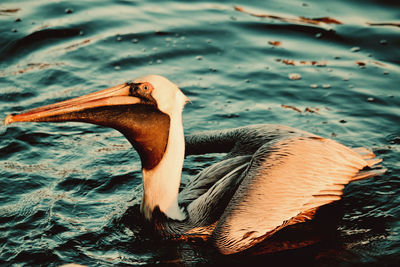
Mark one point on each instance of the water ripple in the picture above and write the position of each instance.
(71, 192)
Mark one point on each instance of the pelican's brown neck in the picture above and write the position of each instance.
(147, 131)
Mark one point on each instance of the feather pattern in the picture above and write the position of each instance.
(286, 178)
(272, 176)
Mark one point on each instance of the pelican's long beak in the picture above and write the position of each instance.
(72, 110)
(119, 107)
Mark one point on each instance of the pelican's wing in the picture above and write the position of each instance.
(209, 176)
(286, 180)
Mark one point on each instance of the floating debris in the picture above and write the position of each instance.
(18, 20)
(159, 61)
(385, 72)
(275, 43)
(318, 35)
(311, 110)
(355, 49)
(314, 86)
(77, 44)
(383, 42)
(247, 80)
(69, 10)
(199, 57)
(342, 121)
(10, 10)
(30, 67)
(135, 40)
(314, 21)
(119, 38)
(303, 62)
(14, 30)
(370, 99)
(326, 86)
(288, 62)
(326, 20)
(360, 63)
(294, 76)
(117, 67)
(208, 41)
(291, 107)
(307, 109)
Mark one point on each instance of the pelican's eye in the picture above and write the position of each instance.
(142, 91)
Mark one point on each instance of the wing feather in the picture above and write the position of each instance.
(285, 182)
(208, 177)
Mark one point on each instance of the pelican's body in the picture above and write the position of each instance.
(272, 176)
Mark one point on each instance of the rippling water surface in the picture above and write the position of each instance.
(70, 192)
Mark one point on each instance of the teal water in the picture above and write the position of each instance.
(69, 192)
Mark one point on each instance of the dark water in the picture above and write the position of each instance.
(69, 192)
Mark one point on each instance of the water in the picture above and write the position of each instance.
(70, 192)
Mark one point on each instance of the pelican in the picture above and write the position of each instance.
(271, 176)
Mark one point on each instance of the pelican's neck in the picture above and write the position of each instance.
(161, 184)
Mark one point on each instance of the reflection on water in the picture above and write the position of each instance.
(70, 192)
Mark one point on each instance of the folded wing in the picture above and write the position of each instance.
(286, 181)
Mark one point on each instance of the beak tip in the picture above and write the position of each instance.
(9, 119)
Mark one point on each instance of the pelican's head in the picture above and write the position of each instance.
(141, 110)
(165, 94)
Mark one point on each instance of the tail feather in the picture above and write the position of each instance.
(373, 161)
(364, 153)
(369, 157)
(363, 174)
